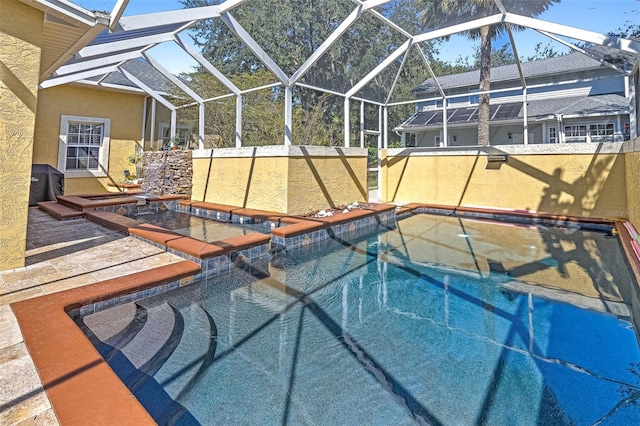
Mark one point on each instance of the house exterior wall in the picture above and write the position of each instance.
(123, 109)
(587, 83)
(584, 83)
(584, 180)
(466, 136)
(292, 180)
(21, 41)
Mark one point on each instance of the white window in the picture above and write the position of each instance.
(576, 133)
(552, 134)
(602, 132)
(183, 133)
(83, 149)
(410, 140)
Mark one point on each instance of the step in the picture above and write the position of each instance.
(59, 211)
(193, 355)
(112, 329)
(196, 350)
(149, 346)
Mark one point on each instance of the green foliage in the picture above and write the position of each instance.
(628, 30)
(290, 31)
(544, 52)
(134, 158)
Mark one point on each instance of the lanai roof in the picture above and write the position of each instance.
(96, 58)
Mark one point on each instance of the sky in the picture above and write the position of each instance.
(601, 16)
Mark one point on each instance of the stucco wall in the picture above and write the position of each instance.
(20, 41)
(294, 180)
(565, 182)
(125, 112)
(258, 183)
(321, 182)
(632, 165)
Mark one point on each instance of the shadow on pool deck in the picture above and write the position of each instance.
(59, 256)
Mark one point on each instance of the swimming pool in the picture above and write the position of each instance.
(441, 321)
(203, 229)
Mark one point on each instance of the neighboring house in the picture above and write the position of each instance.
(570, 98)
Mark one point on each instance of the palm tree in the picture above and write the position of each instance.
(442, 13)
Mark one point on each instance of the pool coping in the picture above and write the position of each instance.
(77, 379)
(82, 387)
(501, 214)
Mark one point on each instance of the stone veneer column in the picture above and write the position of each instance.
(167, 172)
(20, 41)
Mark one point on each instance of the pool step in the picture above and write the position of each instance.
(112, 329)
(146, 349)
(194, 354)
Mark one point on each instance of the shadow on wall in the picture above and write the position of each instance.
(592, 192)
(584, 185)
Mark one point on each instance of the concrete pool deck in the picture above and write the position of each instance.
(60, 255)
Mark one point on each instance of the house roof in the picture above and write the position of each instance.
(580, 105)
(143, 71)
(570, 63)
(66, 29)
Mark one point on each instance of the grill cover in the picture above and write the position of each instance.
(46, 183)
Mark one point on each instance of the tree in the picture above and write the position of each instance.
(290, 31)
(628, 30)
(442, 13)
(544, 52)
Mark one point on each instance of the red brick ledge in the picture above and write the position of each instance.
(173, 240)
(129, 187)
(81, 203)
(91, 201)
(309, 224)
(296, 225)
(626, 240)
(59, 211)
(257, 214)
(81, 386)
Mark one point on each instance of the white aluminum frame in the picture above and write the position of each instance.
(102, 59)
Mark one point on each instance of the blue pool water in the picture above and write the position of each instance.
(441, 321)
(203, 229)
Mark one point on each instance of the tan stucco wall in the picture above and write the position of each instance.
(570, 184)
(125, 112)
(265, 179)
(20, 46)
(320, 182)
(258, 183)
(632, 165)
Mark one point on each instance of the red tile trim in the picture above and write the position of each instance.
(81, 203)
(81, 386)
(59, 211)
(112, 220)
(627, 240)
